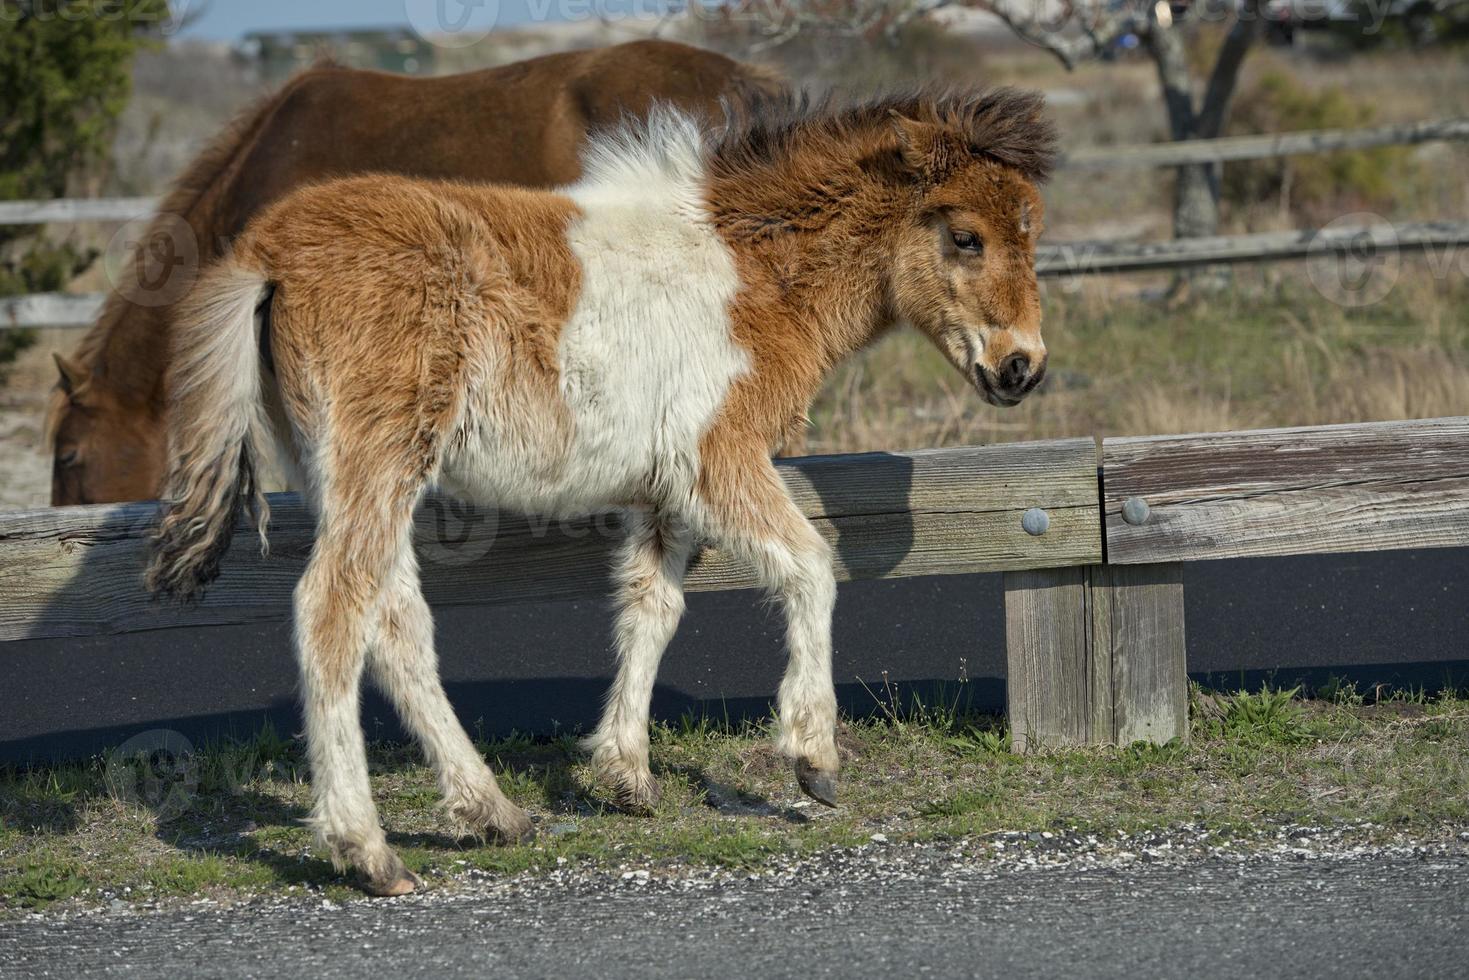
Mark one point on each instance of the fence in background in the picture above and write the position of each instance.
(1092, 555)
(1070, 259)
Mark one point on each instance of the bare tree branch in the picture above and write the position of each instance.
(916, 10)
(1170, 57)
(780, 21)
(1043, 24)
(1225, 76)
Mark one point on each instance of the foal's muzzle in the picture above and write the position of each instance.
(1017, 377)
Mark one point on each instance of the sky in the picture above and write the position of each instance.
(228, 20)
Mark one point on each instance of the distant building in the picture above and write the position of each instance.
(281, 54)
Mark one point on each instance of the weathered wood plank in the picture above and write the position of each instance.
(77, 571)
(1092, 258)
(1138, 632)
(1095, 656)
(1051, 674)
(1265, 145)
(49, 310)
(75, 209)
(1366, 487)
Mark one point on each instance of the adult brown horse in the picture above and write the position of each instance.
(522, 123)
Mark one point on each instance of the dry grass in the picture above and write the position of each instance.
(1270, 352)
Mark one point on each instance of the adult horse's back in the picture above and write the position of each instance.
(522, 123)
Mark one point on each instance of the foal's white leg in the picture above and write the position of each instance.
(406, 668)
(751, 513)
(336, 608)
(649, 571)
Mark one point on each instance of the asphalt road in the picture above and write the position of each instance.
(1379, 916)
(1396, 617)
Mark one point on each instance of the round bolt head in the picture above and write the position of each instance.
(1135, 510)
(1035, 521)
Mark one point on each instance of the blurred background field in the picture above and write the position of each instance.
(1129, 353)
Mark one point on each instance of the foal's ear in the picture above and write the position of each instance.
(74, 377)
(927, 149)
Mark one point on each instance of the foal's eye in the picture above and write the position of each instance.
(967, 241)
(67, 458)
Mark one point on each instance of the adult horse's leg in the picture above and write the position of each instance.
(358, 540)
(649, 572)
(406, 667)
(750, 512)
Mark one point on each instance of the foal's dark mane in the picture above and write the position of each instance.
(1006, 125)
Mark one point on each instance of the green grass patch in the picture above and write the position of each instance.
(89, 833)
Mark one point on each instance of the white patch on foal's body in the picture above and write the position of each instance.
(647, 356)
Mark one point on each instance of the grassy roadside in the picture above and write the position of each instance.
(226, 823)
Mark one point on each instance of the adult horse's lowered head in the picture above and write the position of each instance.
(523, 124)
(640, 340)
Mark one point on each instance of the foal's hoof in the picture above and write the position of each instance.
(819, 784)
(515, 829)
(400, 882)
(639, 797)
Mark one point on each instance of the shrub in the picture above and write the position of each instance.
(65, 71)
(1315, 186)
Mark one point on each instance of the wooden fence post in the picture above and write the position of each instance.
(1137, 619)
(1096, 656)
(1049, 686)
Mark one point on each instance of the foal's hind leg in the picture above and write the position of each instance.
(749, 511)
(406, 668)
(649, 571)
(336, 609)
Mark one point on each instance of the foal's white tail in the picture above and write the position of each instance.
(217, 429)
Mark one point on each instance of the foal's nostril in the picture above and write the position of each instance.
(1014, 370)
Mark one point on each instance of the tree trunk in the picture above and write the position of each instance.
(1196, 201)
(1196, 198)
(1196, 193)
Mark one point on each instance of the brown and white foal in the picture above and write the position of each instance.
(640, 339)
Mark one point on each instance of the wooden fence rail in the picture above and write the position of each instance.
(68, 210)
(1092, 555)
(75, 571)
(1264, 146)
(1361, 241)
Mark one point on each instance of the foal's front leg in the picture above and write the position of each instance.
(649, 573)
(750, 512)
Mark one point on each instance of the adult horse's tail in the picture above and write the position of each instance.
(217, 429)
